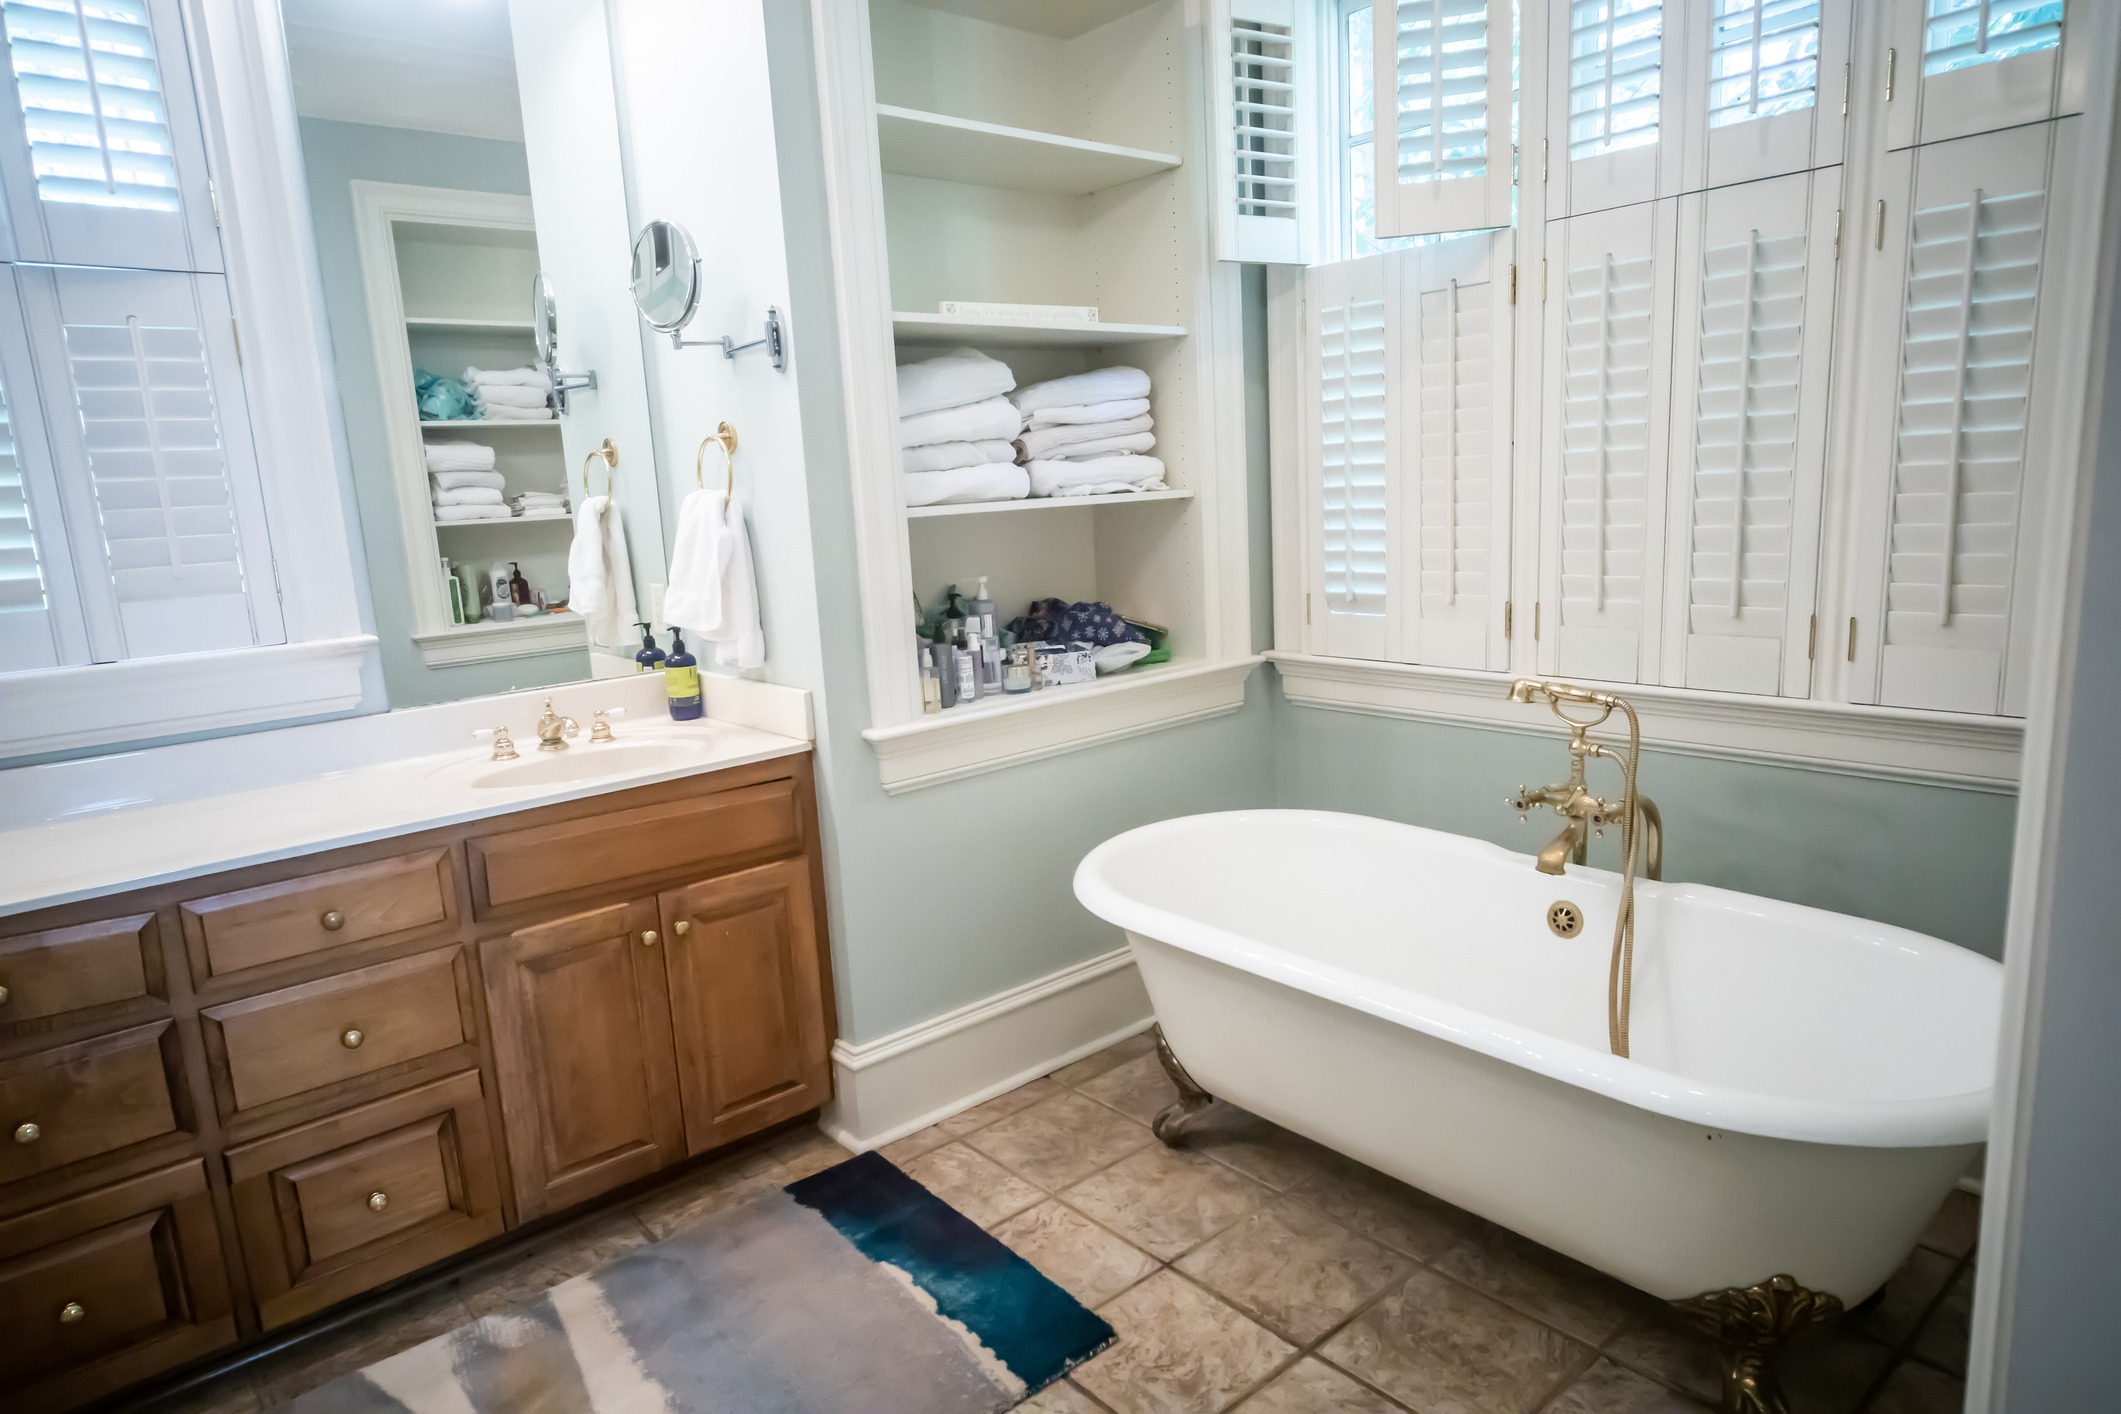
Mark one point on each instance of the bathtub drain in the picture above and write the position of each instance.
(1566, 919)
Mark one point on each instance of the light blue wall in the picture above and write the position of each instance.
(334, 155)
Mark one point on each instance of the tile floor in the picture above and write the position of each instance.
(1252, 1271)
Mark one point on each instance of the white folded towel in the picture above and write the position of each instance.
(713, 592)
(958, 377)
(1096, 478)
(1088, 412)
(996, 419)
(1044, 441)
(495, 413)
(1103, 447)
(510, 395)
(538, 498)
(494, 512)
(459, 456)
(997, 481)
(948, 456)
(452, 480)
(476, 378)
(599, 574)
(1106, 385)
(467, 496)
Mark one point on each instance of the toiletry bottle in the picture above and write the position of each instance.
(504, 604)
(990, 666)
(931, 690)
(518, 587)
(967, 671)
(983, 610)
(455, 591)
(650, 658)
(1016, 673)
(681, 682)
(945, 659)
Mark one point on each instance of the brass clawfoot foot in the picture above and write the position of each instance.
(1750, 1325)
(1170, 1122)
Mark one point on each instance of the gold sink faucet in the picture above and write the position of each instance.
(554, 729)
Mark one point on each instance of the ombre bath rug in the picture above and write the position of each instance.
(854, 1289)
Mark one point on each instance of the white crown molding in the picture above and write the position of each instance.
(482, 643)
(890, 1087)
(1886, 743)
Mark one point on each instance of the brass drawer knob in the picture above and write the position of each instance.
(649, 937)
(351, 1038)
(333, 920)
(71, 1312)
(378, 1201)
(28, 1133)
(4, 994)
(681, 927)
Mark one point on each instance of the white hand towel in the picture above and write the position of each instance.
(599, 574)
(1043, 441)
(998, 481)
(468, 496)
(1106, 385)
(472, 513)
(452, 480)
(1102, 477)
(1089, 412)
(993, 420)
(1104, 447)
(459, 456)
(959, 377)
(693, 598)
(510, 395)
(739, 641)
(519, 377)
(949, 456)
(495, 413)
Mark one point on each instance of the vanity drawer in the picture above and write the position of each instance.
(71, 969)
(282, 1043)
(295, 917)
(69, 1103)
(744, 826)
(330, 1209)
(107, 1288)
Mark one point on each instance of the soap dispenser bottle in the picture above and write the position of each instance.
(650, 658)
(681, 682)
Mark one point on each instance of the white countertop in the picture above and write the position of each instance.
(80, 829)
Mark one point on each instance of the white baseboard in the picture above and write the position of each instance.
(887, 1088)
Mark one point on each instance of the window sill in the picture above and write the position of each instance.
(491, 642)
(966, 741)
(65, 709)
(1887, 743)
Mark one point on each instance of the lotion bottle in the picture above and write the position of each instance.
(681, 682)
(650, 658)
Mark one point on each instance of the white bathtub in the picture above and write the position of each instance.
(1805, 1086)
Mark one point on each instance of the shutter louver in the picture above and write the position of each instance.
(92, 103)
(1351, 345)
(1616, 57)
(1442, 95)
(1763, 59)
(1958, 34)
(1262, 181)
(26, 639)
(1458, 556)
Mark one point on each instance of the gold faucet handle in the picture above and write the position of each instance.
(503, 748)
(599, 728)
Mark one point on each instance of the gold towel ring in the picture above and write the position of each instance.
(724, 437)
(609, 452)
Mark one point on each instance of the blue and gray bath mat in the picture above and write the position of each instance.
(853, 1289)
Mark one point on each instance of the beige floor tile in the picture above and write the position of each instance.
(1607, 1388)
(1142, 1043)
(1296, 1272)
(709, 1190)
(1948, 1331)
(1062, 1140)
(1314, 1387)
(281, 1378)
(1915, 1388)
(919, 1142)
(1907, 1296)
(1023, 1097)
(553, 1258)
(1257, 1148)
(1540, 1282)
(803, 1152)
(1660, 1345)
(1829, 1371)
(1081, 1258)
(232, 1393)
(973, 1184)
(1139, 1089)
(1167, 1201)
(1060, 1397)
(1956, 1225)
(1443, 1348)
(1180, 1351)
(1386, 1210)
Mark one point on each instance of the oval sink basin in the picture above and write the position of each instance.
(591, 763)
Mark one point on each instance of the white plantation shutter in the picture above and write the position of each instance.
(1345, 326)
(1614, 76)
(1263, 178)
(1442, 96)
(1753, 332)
(1607, 383)
(1971, 66)
(154, 456)
(101, 155)
(1958, 34)
(1768, 101)
(40, 612)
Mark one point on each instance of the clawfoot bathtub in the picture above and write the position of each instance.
(1804, 1089)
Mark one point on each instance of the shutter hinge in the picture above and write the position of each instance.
(1513, 284)
(1878, 241)
(1844, 90)
(213, 195)
(1514, 159)
(1852, 639)
(1542, 159)
(1307, 608)
(1837, 233)
(1542, 282)
(1505, 618)
(1892, 63)
(276, 582)
(1535, 621)
(1811, 640)
(236, 334)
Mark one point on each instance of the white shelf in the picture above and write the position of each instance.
(1057, 19)
(512, 520)
(470, 326)
(1028, 333)
(483, 425)
(916, 144)
(1045, 503)
(487, 642)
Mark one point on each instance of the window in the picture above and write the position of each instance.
(1616, 50)
(1354, 76)
(1959, 34)
(1763, 59)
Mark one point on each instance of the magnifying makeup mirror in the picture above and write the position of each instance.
(666, 289)
(545, 328)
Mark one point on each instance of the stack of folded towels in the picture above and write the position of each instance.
(1088, 434)
(955, 427)
(510, 394)
(463, 483)
(538, 502)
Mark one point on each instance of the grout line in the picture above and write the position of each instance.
(1904, 1349)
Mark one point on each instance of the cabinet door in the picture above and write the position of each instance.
(746, 992)
(581, 1029)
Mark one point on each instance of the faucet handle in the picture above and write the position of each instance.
(503, 748)
(600, 729)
